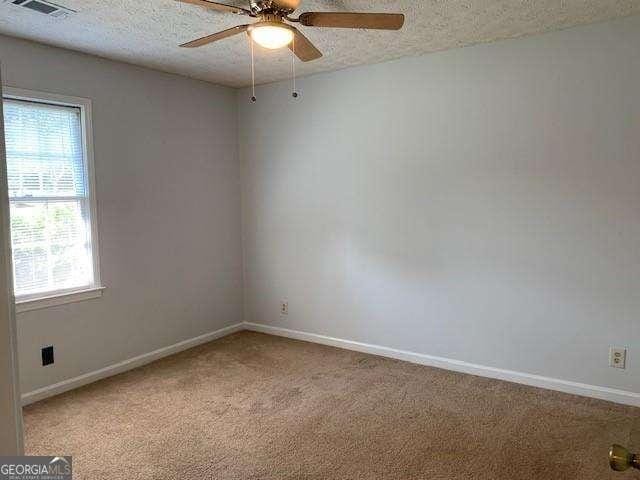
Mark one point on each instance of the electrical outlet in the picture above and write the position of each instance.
(284, 308)
(47, 355)
(618, 357)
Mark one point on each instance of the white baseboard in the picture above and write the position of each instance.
(585, 390)
(603, 393)
(90, 377)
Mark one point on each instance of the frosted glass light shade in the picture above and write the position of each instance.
(271, 36)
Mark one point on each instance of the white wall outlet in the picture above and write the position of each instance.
(284, 307)
(618, 357)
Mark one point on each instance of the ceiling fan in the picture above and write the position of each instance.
(272, 30)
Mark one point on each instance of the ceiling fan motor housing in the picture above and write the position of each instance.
(280, 7)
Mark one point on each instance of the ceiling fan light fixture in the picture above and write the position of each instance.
(271, 36)
(272, 31)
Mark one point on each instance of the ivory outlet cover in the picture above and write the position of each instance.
(618, 357)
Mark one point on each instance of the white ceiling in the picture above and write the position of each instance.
(148, 32)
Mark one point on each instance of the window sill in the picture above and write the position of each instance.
(58, 299)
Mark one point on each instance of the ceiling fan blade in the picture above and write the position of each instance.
(377, 21)
(302, 47)
(218, 6)
(198, 42)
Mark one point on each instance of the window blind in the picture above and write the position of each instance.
(48, 195)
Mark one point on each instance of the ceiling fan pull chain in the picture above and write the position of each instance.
(294, 93)
(253, 74)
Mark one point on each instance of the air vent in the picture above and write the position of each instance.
(42, 6)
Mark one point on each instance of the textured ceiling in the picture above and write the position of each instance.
(148, 32)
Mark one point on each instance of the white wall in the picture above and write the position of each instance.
(480, 204)
(168, 212)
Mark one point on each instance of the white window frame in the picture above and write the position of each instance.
(26, 303)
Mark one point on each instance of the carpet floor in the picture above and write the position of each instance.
(254, 406)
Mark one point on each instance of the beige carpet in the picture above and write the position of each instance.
(253, 406)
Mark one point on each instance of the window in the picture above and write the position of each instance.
(53, 236)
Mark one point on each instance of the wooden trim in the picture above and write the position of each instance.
(594, 391)
(135, 362)
(63, 298)
(85, 106)
(11, 414)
